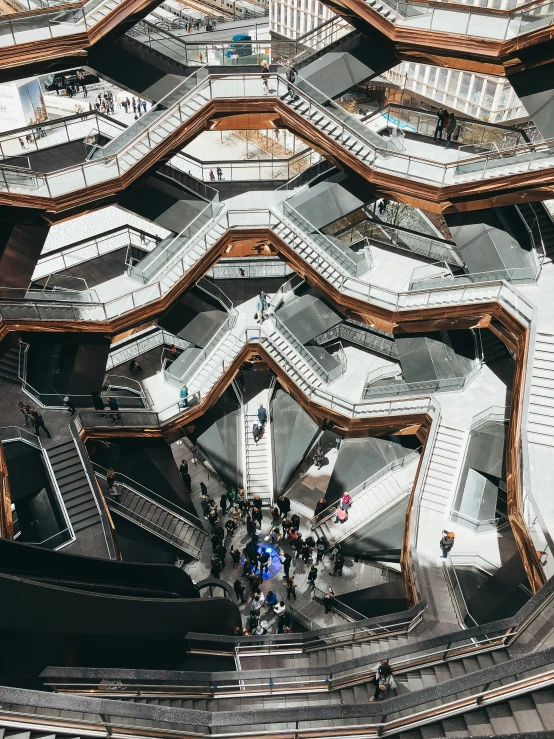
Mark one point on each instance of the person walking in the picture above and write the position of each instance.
(319, 457)
(338, 565)
(441, 114)
(262, 415)
(312, 577)
(291, 587)
(239, 589)
(383, 680)
(38, 422)
(114, 406)
(188, 482)
(342, 516)
(203, 487)
(328, 599)
(265, 76)
(184, 468)
(446, 543)
(450, 128)
(255, 432)
(69, 405)
(291, 78)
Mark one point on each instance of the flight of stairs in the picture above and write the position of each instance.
(308, 250)
(383, 9)
(540, 421)
(101, 11)
(74, 486)
(289, 358)
(493, 347)
(210, 370)
(158, 520)
(9, 365)
(258, 463)
(370, 502)
(539, 220)
(192, 250)
(444, 468)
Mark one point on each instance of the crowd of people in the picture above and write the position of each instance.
(234, 515)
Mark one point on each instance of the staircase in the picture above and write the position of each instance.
(258, 460)
(359, 694)
(493, 347)
(383, 9)
(211, 369)
(444, 468)
(74, 486)
(158, 520)
(9, 365)
(371, 501)
(539, 220)
(306, 248)
(540, 421)
(101, 11)
(290, 359)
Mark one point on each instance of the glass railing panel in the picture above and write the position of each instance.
(65, 181)
(104, 170)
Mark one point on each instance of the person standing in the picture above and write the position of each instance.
(255, 432)
(235, 556)
(239, 589)
(446, 543)
(346, 501)
(283, 504)
(184, 468)
(441, 113)
(114, 406)
(25, 410)
(183, 396)
(231, 527)
(204, 502)
(450, 128)
(219, 173)
(328, 599)
(291, 587)
(265, 76)
(321, 505)
(203, 487)
(223, 501)
(97, 401)
(312, 577)
(188, 482)
(321, 547)
(69, 404)
(38, 422)
(287, 561)
(338, 565)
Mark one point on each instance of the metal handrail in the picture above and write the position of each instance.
(145, 523)
(357, 491)
(180, 512)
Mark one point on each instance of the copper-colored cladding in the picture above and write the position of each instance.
(20, 60)
(243, 122)
(459, 51)
(502, 190)
(6, 523)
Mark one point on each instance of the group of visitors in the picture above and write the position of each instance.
(113, 405)
(447, 122)
(32, 416)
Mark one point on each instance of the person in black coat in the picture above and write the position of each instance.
(283, 504)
